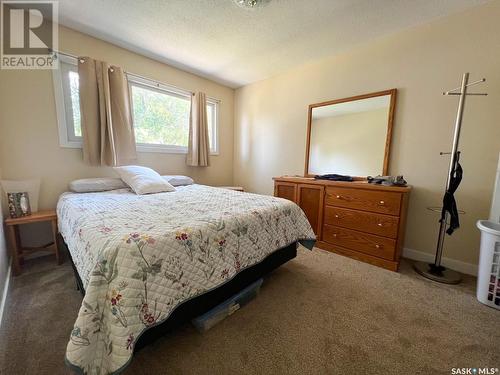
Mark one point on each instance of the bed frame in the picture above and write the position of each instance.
(201, 304)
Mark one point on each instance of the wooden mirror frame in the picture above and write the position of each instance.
(392, 108)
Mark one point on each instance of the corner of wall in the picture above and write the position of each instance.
(4, 265)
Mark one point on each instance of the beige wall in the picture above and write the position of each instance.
(351, 144)
(271, 117)
(29, 143)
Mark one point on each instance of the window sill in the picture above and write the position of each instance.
(161, 149)
(143, 148)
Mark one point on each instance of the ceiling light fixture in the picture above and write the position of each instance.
(251, 4)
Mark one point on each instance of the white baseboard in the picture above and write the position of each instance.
(5, 291)
(457, 265)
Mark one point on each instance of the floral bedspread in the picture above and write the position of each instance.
(141, 256)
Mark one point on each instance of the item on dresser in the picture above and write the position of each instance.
(90, 185)
(356, 219)
(143, 180)
(387, 180)
(17, 249)
(334, 177)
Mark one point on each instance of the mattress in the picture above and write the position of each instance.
(140, 256)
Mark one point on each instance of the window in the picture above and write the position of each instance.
(212, 116)
(160, 113)
(160, 116)
(67, 103)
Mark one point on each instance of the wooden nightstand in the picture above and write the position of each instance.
(17, 250)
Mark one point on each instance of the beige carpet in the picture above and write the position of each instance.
(319, 314)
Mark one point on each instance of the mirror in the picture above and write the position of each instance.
(351, 136)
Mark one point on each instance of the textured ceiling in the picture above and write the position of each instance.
(234, 46)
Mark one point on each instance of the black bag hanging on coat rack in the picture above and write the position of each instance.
(449, 202)
(435, 271)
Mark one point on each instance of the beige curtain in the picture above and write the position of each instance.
(107, 130)
(198, 147)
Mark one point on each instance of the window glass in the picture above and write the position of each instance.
(160, 118)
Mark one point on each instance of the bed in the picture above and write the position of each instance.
(147, 262)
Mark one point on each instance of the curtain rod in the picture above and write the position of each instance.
(135, 75)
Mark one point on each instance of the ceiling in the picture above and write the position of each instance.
(218, 40)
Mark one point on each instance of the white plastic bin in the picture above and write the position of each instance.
(488, 278)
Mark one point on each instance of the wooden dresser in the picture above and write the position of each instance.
(356, 219)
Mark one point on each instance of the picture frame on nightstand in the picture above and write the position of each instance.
(19, 204)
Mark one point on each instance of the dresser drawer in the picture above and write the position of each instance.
(363, 242)
(382, 225)
(366, 200)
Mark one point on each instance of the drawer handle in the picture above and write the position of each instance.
(378, 246)
(380, 224)
(382, 203)
(336, 216)
(335, 235)
(338, 196)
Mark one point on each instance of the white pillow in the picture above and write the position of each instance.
(143, 180)
(88, 185)
(179, 180)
